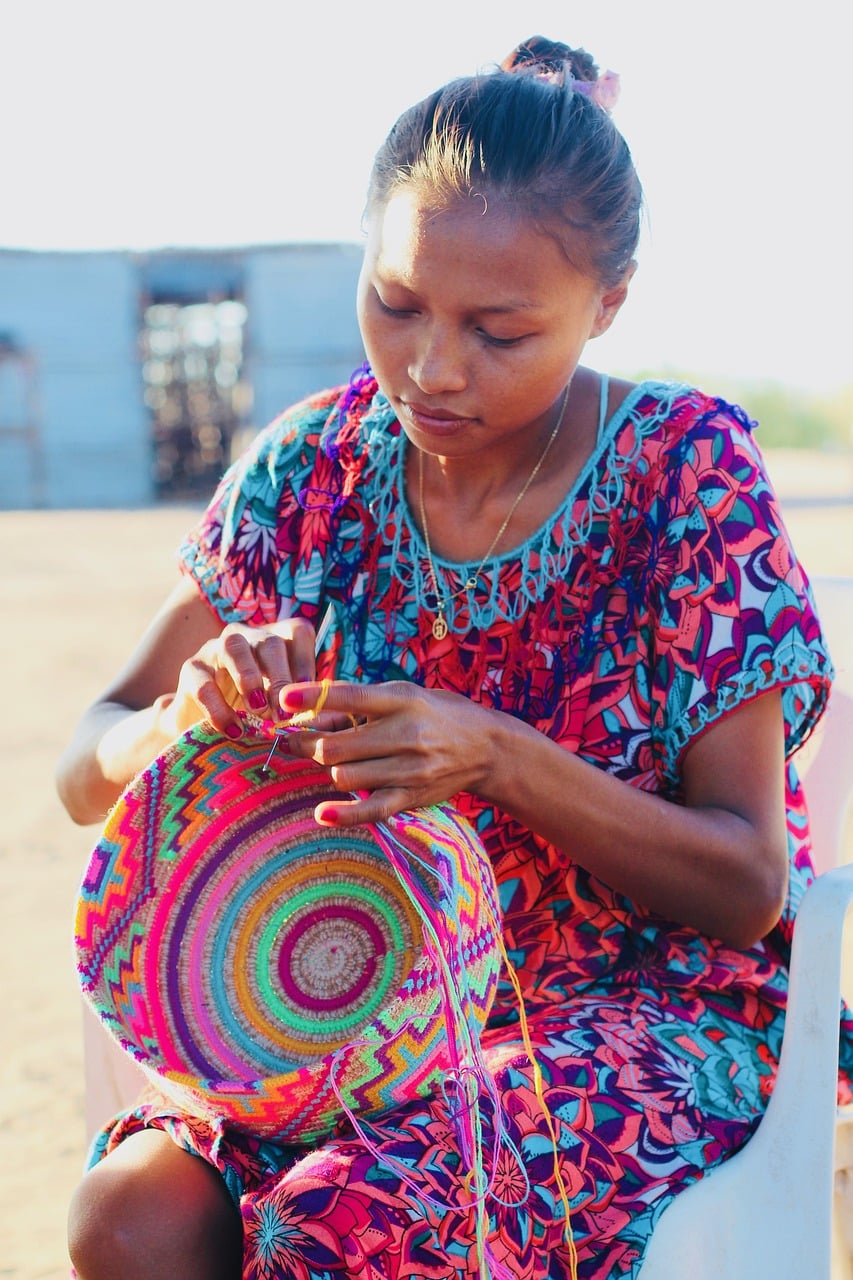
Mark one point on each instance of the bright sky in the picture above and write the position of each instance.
(174, 122)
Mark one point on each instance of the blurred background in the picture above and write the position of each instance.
(180, 235)
(180, 229)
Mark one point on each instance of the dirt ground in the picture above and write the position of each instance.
(76, 589)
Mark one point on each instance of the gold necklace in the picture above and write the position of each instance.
(440, 626)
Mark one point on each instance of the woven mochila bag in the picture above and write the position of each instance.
(274, 972)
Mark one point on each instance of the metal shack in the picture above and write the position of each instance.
(131, 378)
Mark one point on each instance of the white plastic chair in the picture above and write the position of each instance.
(768, 1211)
(782, 1207)
(113, 1079)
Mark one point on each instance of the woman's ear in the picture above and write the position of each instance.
(610, 302)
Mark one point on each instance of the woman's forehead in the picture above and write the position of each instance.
(471, 238)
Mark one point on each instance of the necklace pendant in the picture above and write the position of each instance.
(439, 627)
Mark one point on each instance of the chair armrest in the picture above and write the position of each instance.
(809, 1059)
(796, 1137)
(767, 1212)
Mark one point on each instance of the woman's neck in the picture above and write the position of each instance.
(466, 500)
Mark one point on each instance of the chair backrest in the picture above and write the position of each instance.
(827, 764)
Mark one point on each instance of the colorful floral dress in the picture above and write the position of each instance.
(661, 596)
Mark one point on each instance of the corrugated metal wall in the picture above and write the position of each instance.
(71, 322)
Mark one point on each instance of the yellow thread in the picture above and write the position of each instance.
(540, 1094)
(305, 717)
(302, 718)
(475, 1191)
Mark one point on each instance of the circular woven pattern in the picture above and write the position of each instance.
(270, 970)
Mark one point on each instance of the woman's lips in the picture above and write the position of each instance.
(434, 419)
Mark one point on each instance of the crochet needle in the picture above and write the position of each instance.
(322, 632)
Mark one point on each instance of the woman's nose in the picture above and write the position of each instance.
(437, 364)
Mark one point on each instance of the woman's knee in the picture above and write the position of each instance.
(152, 1210)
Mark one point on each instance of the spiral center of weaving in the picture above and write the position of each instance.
(329, 958)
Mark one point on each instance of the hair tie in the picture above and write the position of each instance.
(604, 91)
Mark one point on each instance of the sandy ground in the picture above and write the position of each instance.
(73, 618)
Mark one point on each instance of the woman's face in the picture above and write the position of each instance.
(473, 320)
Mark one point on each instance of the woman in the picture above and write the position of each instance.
(566, 602)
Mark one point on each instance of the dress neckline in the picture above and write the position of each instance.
(512, 580)
(606, 430)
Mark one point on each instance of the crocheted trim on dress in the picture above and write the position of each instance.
(547, 554)
(804, 681)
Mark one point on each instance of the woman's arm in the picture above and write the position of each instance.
(187, 667)
(717, 863)
(133, 719)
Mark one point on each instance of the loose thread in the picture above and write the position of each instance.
(468, 1072)
(539, 1089)
(462, 1046)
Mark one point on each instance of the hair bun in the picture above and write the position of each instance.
(541, 55)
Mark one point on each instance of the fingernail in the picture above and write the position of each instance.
(257, 699)
(328, 816)
(293, 699)
(234, 731)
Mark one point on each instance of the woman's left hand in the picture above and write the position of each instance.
(409, 746)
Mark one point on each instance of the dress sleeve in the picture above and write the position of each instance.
(735, 614)
(257, 549)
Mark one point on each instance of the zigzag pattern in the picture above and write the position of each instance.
(273, 972)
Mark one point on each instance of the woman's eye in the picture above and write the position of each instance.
(498, 342)
(402, 313)
(392, 311)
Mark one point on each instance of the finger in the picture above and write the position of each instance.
(302, 663)
(376, 807)
(334, 722)
(285, 654)
(359, 700)
(273, 657)
(240, 675)
(309, 741)
(228, 688)
(262, 661)
(334, 746)
(200, 697)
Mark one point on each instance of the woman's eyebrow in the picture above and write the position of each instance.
(491, 309)
(502, 308)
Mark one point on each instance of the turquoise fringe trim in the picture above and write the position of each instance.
(545, 556)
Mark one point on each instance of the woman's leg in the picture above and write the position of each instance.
(152, 1211)
(645, 1095)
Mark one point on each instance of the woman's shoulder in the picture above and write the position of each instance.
(319, 431)
(313, 454)
(671, 422)
(340, 420)
(680, 408)
(672, 444)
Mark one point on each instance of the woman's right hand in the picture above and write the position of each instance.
(185, 668)
(241, 669)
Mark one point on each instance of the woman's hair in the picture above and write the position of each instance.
(531, 133)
